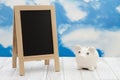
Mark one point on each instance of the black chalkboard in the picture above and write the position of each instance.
(36, 32)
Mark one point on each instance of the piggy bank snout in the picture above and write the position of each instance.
(82, 55)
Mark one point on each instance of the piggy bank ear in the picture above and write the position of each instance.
(76, 49)
(92, 50)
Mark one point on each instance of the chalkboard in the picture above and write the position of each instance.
(34, 35)
(36, 32)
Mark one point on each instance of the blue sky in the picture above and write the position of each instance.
(6, 16)
(90, 23)
(106, 15)
(6, 21)
(5, 51)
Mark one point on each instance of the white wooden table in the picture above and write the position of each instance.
(108, 68)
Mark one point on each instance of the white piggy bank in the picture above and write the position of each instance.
(86, 57)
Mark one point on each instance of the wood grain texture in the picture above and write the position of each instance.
(107, 69)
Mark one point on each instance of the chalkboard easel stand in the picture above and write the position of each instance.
(18, 41)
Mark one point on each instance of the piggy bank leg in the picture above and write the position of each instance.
(79, 67)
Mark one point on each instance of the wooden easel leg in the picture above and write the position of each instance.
(14, 60)
(47, 62)
(21, 67)
(14, 56)
(57, 65)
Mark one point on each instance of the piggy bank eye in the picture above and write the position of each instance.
(79, 52)
(88, 53)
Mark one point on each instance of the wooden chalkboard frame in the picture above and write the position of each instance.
(18, 43)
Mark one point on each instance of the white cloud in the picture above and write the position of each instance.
(118, 8)
(6, 36)
(106, 40)
(62, 28)
(85, 34)
(31, 2)
(81, 34)
(73, 12)
(12, 3)
(39, 2)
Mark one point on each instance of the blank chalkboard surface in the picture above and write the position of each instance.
(34, 35)
(36, 32)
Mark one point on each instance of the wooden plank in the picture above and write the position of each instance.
(107, 69)
(114, 64)
(3, 60)
(52, 75)
(38, 70)
(70, 69)
(104, 71)
(91, 75)
(6, 71)
(16, 75)
(35, 70)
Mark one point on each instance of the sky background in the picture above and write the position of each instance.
(84, 22)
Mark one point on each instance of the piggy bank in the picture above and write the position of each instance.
(86, 57)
